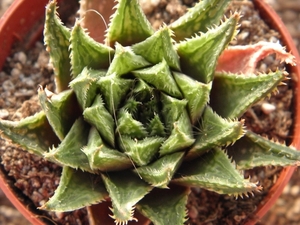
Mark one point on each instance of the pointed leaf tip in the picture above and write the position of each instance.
(125, 190)
(129, 24)
(86, 52)
(214, 171)
(33, 133)
(56, 38)
(200, 18)
(73, 182)
(199, 55)
(253, 150)
(233, 94)
(157, 47)
(61, 110)
(165, 206)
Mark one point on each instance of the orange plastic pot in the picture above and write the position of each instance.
(16, 25)
(274, 21)
(23, 22)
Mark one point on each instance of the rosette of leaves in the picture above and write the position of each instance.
(151, 113)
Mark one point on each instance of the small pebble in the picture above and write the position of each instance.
(267, 108)
(24, 93)
(193, 212)
(21, 57)
(295, 190)
(60, 215)
(243, 35)
(43, 60)
(245, 23)
(287, 189)
(8, 85)
(28, 82)
(15, 72)
(4, 113)
(149, 5)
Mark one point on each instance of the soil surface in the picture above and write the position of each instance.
(287, 208)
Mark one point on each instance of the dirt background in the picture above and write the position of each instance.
(286, 211)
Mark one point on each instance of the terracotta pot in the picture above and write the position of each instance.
(15, 25)
(274, 21)
(30, 15)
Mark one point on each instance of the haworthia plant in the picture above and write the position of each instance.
(151, 113)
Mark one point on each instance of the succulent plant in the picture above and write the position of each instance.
(151, 113)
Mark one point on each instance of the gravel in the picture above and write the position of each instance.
(287, 208)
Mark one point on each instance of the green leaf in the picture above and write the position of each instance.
(199, 55)
(85, 86)
(149, 108)
(102, 157)
(155, 127)
(76, 190)
(142, 91)
(113, 90)
(33, 133)
(172, 110)
(158, 47)
(233, 94)
(129, 24)
(165, 206)
(253, 150)
(160, 77)
(180, 138)
(129, 126)
(69, 153)
(125, 190)
(204, 15)
(160, 172)
(195, 92)
(56, 38)
(215, 172)
(125, 61)
(98, 116)
(131, 106)
(141, 151)
(61, 110)
(215, 131)
(86, 52)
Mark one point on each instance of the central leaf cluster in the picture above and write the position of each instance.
(141, 113)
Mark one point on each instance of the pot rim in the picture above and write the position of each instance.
(12, 30)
